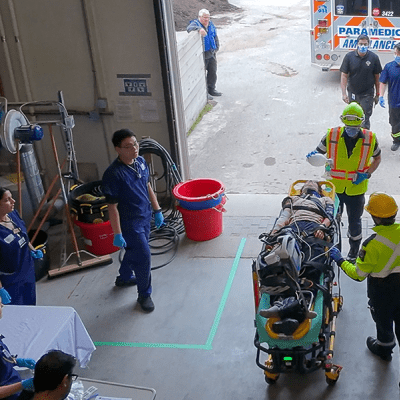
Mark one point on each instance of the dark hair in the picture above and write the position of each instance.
(2, 191)
(362, 36)
(120, 135)
(51, 369)
(397, 46)
(385, 221)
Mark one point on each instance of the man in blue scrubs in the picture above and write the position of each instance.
(131, 202)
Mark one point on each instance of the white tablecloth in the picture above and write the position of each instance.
(31, 331)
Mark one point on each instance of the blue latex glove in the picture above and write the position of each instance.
(311, 154)
(381, 101)
(37, 253)
(26, 362)
(119, 241)
(5, 296)
(27, 384)
(158, 219)
(361, 176)
(336, 254)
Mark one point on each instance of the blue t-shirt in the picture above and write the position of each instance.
(391, 76)
(16, 262)
(127, 185)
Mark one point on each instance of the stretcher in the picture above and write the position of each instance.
(297, 300)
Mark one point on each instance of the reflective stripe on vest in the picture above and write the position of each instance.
(390, 266)
(362, 164)
(344, 169)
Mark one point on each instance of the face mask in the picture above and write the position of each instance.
(352, 132)
(362, 49)
(397, 59)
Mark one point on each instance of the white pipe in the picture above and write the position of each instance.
(8, 60)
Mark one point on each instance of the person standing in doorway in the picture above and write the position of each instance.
(131, 203)
(208, 31)
(359, 80)
(390, 79)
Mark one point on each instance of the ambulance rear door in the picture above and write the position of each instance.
(384, 29)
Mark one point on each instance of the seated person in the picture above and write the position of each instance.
(53, 376)
(10, 380)
(304, 214)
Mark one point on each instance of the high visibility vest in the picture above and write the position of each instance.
(382, 253)
(345, 168)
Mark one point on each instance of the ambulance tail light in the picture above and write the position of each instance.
(318, 57)
(327, 57)
(323, 26)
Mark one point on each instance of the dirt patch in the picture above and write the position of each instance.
(186, 10)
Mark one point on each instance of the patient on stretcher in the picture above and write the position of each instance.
(307, 214)
(294, 256)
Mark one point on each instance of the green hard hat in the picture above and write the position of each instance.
(353, 114)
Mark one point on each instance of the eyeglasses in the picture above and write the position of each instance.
(73, 377)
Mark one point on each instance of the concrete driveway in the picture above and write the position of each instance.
(275, 106)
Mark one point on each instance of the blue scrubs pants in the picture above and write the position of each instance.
(137, 258)
(22, 293)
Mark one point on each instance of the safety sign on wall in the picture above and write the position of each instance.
(134, 84)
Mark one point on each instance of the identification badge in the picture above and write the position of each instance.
(142, 166)
(21, 242)
(8, 239)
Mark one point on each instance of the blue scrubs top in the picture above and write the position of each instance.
(391, 76)
(16, 262)
(8, 375)
(127, 186)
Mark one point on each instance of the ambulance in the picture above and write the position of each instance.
(336, 24)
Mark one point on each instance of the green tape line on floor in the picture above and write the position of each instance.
(214, 327)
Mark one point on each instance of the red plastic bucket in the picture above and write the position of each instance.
(199, 194)
(202, 225)
(98, 238)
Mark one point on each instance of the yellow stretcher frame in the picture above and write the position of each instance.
(328, 188)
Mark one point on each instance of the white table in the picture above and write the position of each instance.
(118, 390)
(31, 331)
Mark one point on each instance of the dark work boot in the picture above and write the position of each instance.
(353, 252)
(384, 352)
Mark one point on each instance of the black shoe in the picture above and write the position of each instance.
(121, 282)
(146, 303)
(287, 326)
(214, 93)
(209, 97)
(395, 146)
(384, 353)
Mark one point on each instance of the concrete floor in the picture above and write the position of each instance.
(198, 343)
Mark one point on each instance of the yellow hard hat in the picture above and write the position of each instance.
(381, 205)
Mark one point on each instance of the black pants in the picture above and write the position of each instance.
(384, 302)
(394, 121)
(355, 209)
(211, 72)
(366, 101)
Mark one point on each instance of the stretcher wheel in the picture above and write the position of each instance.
(271, 381)
(331, 382)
